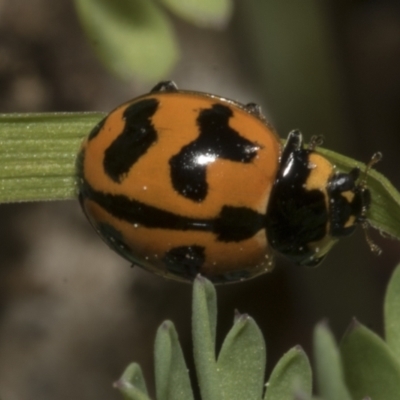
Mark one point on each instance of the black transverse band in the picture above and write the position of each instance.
(233, 224)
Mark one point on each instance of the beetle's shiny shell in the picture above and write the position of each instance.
(202, 162)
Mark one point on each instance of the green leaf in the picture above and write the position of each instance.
(38, 153)
(384, 213)
(392, 313)
(204, 13)
(369, 366)
(241, 361)
(291, 375)
(329, 369)
(132, 37)
(204, 323)
(172, 378)
(132, 384)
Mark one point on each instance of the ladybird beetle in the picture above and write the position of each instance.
(181, 183)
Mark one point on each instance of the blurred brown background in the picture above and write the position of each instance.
(72, 313)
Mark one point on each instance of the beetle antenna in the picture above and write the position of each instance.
(372, 245)
(376, 157)
(315, 141)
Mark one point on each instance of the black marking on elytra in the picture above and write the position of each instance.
(295, 216)
(233, 224)
(134, 141)
(185, 261)
(96, 130)
(216, 140)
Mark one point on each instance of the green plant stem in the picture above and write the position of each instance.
(38, 152)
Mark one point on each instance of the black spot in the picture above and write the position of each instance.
(95, 131)
(216, 140)
(235, 224)
(185, 261)
(134, 141)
